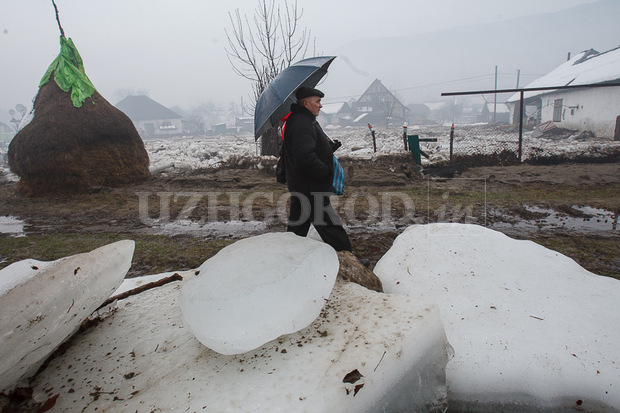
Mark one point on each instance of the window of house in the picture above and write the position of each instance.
(167, 125)
(557, 110)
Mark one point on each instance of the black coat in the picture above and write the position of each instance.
(307, 152)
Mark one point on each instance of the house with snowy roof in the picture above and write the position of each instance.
(593, 109)
(494, 113)
(150, 118)
(378, 105)
(335, 114)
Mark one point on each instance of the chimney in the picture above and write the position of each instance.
(568, 57)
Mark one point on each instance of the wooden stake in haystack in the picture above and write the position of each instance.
(76, 139)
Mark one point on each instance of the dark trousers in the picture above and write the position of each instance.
(316, 209)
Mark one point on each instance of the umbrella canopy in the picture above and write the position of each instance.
(273, 104)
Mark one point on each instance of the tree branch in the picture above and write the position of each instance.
(259, 52)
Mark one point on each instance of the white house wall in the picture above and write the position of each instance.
(593, 110)
(159, 127)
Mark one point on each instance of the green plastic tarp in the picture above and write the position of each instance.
(69, 74)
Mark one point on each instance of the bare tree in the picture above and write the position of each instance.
(15, 118)
(259, 51)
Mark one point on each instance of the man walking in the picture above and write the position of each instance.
(308, 160)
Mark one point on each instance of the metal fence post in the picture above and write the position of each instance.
(451, 141)
(374, 140)
(520, 154)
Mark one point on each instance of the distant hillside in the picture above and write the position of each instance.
(535, 45)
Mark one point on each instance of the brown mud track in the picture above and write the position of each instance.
(517, 200)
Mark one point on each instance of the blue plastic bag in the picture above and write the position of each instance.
(338, 183)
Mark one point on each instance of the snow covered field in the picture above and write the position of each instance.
(194, 152)
(211, 151)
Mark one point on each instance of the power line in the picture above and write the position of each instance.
(446, 82)
(339, 99)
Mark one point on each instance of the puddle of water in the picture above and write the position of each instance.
(593, 220)
(13, 226)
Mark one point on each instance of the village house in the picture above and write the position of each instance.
(150, 118)
(494, 113)
(466, 114)
(379, 106)
(592, 109)
(335, 114)
(418, 113)
(244, 124)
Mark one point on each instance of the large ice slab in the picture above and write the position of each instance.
(257, 289)
(43, 303)
(144, 358)
(531, 329)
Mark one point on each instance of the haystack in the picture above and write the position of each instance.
(76, 140)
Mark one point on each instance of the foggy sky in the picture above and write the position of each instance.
(175, 50)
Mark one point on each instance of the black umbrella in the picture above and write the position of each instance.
(274, 103)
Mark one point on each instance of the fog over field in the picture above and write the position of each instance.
(175, 52)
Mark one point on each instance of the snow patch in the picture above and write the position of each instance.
(357, 143)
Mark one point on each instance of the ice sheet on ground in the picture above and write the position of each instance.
(43, 303)
(143, 357)
(529, 326)
(257, 289)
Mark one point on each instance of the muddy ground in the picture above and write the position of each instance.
(180, 218)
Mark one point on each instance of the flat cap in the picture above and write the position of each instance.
(305, 92)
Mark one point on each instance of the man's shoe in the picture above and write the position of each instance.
(364, 261)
